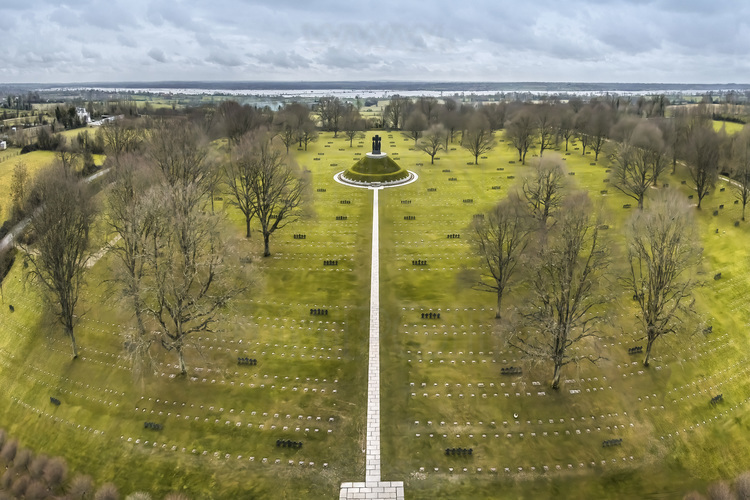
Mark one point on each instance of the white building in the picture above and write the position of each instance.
(83, 115)
(3, 146)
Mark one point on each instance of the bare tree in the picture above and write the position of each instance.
(433, 141)
(741, 167)
(330, 110)
(395, 111)
(663, 254)
(277, 190)
(61, 229)
(520, 131)
(598, 128)
(546, 124)
(19, 186)
(352, 124)
(703, 160)
(566, 125)
(566, 307)
(285, 126)
(415, 125)
(543, 188)
(238, 120)
(583, 118)
(495, 113)
(133, 216)
(501, 238)
(120, 137)
(477, 138)
(638, 161)
(239, 172)
(186, 283)
(308, 133)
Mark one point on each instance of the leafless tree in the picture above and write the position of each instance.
(740, 167)
(546, 125)
(120, 137)
(61, 229)
(495, 113)
(285, 126)
(663, 254)
(134, 216)
(237, 120)
(520, 132)
(395, 111)
(703, 160)
(598, 128)
(433, 141)
(277, 189)
(330, 111)
(19, 186)
(638, 161)
(477, 138)
(544, 188)
(308, 133)
(415, 125)
(239, 171)
(501, 238)
(352, 124)
(81, 487)
(567, 300)
(566, 125)
(430, 107)
(187, 281)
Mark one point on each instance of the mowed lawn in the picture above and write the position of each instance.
(441, 383)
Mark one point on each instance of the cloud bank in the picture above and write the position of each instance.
(668, 41)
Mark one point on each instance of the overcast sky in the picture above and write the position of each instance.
(665, 41)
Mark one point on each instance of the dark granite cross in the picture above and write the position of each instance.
(376, 145)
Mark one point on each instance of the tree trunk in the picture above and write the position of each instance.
(432, 162)
(73, 341)
(743, 210)
(476, 159)
(183, 368)
(566, 145)
(266, 252)
(499, 301)
(640, 202)
(556, 375)
(648, 351)
(523, 159)
(247, 226)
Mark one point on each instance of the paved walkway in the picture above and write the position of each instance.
(373, 487)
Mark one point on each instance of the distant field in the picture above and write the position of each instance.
(730, 127)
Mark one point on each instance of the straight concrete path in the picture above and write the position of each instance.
(373, 487)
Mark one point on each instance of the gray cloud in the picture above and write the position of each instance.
(500, 40)
(157, 55)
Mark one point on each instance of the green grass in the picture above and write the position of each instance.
(731, 128)
(103, 407)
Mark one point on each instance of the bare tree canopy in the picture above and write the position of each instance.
(61, 229)
(740, 167)
(120, 137)
(638, 161)
(415, 125)
(276, 189)
(567, 304)
(330, 110)
(544, 188)
(501, 238)
(477, 138)
(352, 124)
(433, 141)
(395, 111)
(545, 117)
(566, 125)
(520, 132)
(703, 160)
(133, 216)
(663, 254)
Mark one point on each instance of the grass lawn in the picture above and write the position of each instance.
(441, 385)
(730, 127)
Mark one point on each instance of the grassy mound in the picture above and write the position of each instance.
(376, 170)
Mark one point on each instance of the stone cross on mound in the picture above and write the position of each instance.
(376, 145)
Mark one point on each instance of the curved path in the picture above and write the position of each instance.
(373, 487)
